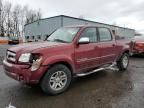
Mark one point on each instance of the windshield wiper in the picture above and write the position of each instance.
(59, 40)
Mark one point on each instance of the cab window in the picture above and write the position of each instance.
(90, 33)
(104, 34)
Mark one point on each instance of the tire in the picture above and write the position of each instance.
(58, 75)
(123, 62)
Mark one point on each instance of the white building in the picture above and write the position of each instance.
(42, 28)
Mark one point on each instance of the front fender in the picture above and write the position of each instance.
(59, 58)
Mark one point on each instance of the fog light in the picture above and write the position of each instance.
(36, 64)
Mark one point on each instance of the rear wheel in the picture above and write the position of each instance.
(123, 62)
(56, 80)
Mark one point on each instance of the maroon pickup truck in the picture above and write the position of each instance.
(68, 52)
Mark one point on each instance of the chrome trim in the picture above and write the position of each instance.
(7, 64)
(86, 59)
(110, 67)
(10, 53)
(107, 56)
(84, 40)
(88, 73)
(89, 59)
(13, 59)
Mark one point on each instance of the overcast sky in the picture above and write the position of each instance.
(125, 13)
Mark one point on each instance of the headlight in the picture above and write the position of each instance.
(24, 57)
(36, 63)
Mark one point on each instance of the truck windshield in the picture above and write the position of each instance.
(64, 35)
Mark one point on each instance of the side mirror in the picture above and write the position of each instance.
(84, 40)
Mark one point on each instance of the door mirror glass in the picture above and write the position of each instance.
(84, 40)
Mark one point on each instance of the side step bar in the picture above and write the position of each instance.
(111, 67)
(88, 73)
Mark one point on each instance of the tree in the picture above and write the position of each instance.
(32, 16)
(14, 17)
(8, 18)
(16, 20)
(2, 19)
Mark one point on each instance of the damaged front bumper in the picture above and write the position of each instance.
(23, 73)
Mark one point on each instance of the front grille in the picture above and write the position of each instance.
(11, 56)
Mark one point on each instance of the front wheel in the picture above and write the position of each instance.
(56, 80)
(123, 62)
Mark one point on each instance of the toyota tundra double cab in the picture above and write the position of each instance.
(68, 52)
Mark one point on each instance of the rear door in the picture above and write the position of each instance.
(107, 45)
(87, 55)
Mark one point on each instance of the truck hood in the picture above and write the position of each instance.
(29, 47)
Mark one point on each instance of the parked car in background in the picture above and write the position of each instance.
(13, 40)
(137, 45)
(68, 52)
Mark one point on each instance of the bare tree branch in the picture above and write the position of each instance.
(13, 18)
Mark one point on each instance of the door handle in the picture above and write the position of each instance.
(113, 45)
(96, 46)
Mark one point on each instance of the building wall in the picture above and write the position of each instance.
(45, 27)
(122, 32)
(42, 28)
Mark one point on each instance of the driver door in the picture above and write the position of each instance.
(87, 54)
